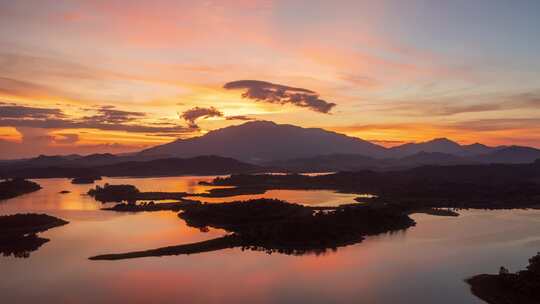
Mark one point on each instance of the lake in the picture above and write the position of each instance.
(424, 264)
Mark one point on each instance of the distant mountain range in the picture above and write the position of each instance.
(262, 145)
(268, 142)
(200, 165)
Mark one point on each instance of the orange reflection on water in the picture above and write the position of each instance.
(304, 197)
(188, 184)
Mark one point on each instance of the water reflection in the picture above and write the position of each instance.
(427, 264)
(322, 198)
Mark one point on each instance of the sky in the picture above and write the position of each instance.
(121, 75)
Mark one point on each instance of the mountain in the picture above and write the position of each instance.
(478, 149)
(441, 145)
(261, 141)
(75, 160)
(288, 148)
(511, 155)
(431, 158)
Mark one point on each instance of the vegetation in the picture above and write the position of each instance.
(225, 242)
(14, 187)
(152, 206)
(18, 232)
(130, 193)
(114, 193)
(278, 226)
(466, 186)
(522, 287)
(85, 180)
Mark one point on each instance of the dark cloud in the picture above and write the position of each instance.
(280, 94)
(17, 111)
(106, 118)
(191, 115)
(84, 124)
(108, 114)
(240, 117)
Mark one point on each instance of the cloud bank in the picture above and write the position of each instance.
(106, 118)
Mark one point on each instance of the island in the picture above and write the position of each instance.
(153, 206)
(11, 188)
(522, 287)
(495, 186)
(18, 233)
(130, 193)
(277, 226)
(83, 180)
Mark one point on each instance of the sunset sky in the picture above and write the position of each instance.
(118, 76)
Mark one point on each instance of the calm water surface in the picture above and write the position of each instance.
(424, 264)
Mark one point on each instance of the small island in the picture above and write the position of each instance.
(130, 193)
(11, 188)
(277, 226)
(522, 287)
(152, 206)
(85, 180)
(18, 233)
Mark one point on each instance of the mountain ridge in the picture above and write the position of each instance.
(266, 141)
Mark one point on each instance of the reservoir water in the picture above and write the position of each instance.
(423, 264)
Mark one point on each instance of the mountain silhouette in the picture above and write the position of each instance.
(267, 142)
(272, 146)
(260, 141)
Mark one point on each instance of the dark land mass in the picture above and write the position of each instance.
(522, 287)
(277, 226)
(244, 149)
(152, 206)
(14, 187)
(130, 193)
(85, 180)
(228, 241)
(436, 211)
(463, 186)
(18, 233)
(201, 165)
(355, 162)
